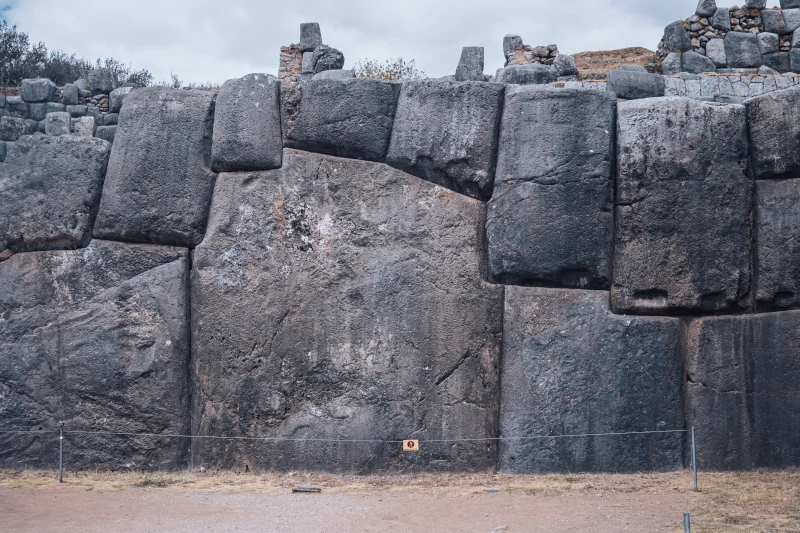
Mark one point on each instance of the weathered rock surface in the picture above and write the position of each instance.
(334, 75)
(50, 189)
(247, 125)
(37, 90)
(565, 64)
(715, 51)
(58, 124)
(534, 74)
(570, 366)
(470, 66)
(326, 58)
(346, 118)
(360, 314)
(117, 98)
(96, 338)
(779, 61)
(696, 64)
(310, 36)
(742, 390)
(11, 129)
(159, 184)
(742, 50)
(551, 217)
(773, 21)
(446, 133)
(672, 63)
(722, 19)
(774, 120)
(633, 85)
(683, 208)
(777, 248)
(102, 80)
(675, 38)
(69, 94)
(706, 8)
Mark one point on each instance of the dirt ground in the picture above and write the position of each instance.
(32, 501)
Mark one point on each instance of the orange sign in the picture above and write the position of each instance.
(410, 445)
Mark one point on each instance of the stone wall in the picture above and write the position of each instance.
(338, 262)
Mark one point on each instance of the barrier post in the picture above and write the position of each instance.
(61, 453)
(694, 461)
(687, 526)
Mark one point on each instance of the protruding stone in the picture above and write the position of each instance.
(696, 64)
(84, 126)
(247, 125)
(769, 43)
(550, 219)
(535, 74)
(706, 8)
(58, 124)
(310, 36)
(715, 51)
(565, 64)
(346, 118)
(773, 21)
(361, 313)
(676, 39)
(11, 129)
(570, 366)
(634, 85)
(334, 75)
(671, 64)
(511, 43)
(96, 338)
(327, 58)
(470, 66)
(446, 133)
(683, 198)
(308, 63)
(37, 90)
(742, 50)
(102, 80)
(117, 98)
(50, 189)
(775, 134)
(158, 185)
(722, 19)
(741, 392)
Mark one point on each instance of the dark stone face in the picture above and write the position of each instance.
(159, 181)
(341, 299)
(742, 392)
(676, 39)
(742, 49)
(96, 338)
(684, 194)
(774, 122)
(633, 85)
(50, 189)
(571, 367)
(446, 132)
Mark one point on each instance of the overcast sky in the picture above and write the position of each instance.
(215, 40)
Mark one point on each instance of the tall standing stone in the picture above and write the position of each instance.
(361, 313)
(683, 208)
(310, 36)
(159, 183)
(470, 66)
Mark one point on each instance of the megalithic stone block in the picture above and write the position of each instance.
(470, 66)
(446, 132)
(706, 8)
(774, 120)
(343, 117)
(58, 124)
(550, 219)
(676, 39)
(50, 190)
(570, 366)
(361, 313)
(159, 183)
(742, 51)
(684, 193)
(37, 90)
(96, 338)
(742, 390)
(247, 125)
(310, 36)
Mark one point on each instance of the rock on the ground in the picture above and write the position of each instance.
(742, 390)
(633, 85)
(446, 132)
(570, 366)
(50, 189)
(310, 36)
(96, 338)
(675, 38)
(534, 74)
(470, 66)
(684, 193)
(326, 58)
(695, 63)
(550, 219)
(361, 313)
(346, 118)
(247, 125)
(37, 90)
(774, 121)
(159, 184)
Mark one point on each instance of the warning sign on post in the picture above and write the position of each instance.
(410, 445)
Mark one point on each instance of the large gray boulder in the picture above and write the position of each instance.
(632, 85)
(117, 98)
(565, 65)
(11, 129)
(470, 66)
(511, 43)
(769, 43)
(347, 118)
(774, 22)
(96, 338)
(722, 19)
(706, 8)
(676, 39)
(50, 189)
(159, 183)
(777, 220)
(778, 61)
(247, 125)
(715, 51)
(695, 63)
(671, 64)
(58, 124)
(310, 36)
(774, 120)
(534, 74)
(550, 219)
(326, 58)
(102, 80)
(446, 132)
(684, 192)
(37, 90)
(570, 366)
(69, 94)
(742, 50)
(361, 313)
(742, 390)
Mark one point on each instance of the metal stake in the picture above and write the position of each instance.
(694, 461)
(687, 526)
(61, 455)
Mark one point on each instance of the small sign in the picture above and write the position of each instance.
(410, 445)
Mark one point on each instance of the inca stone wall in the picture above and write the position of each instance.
(326, 265)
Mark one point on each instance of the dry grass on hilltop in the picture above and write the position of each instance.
(600, 62)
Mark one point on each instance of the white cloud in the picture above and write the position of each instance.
(205, 40)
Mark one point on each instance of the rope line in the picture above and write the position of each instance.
(738, 526)
(389, 441)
